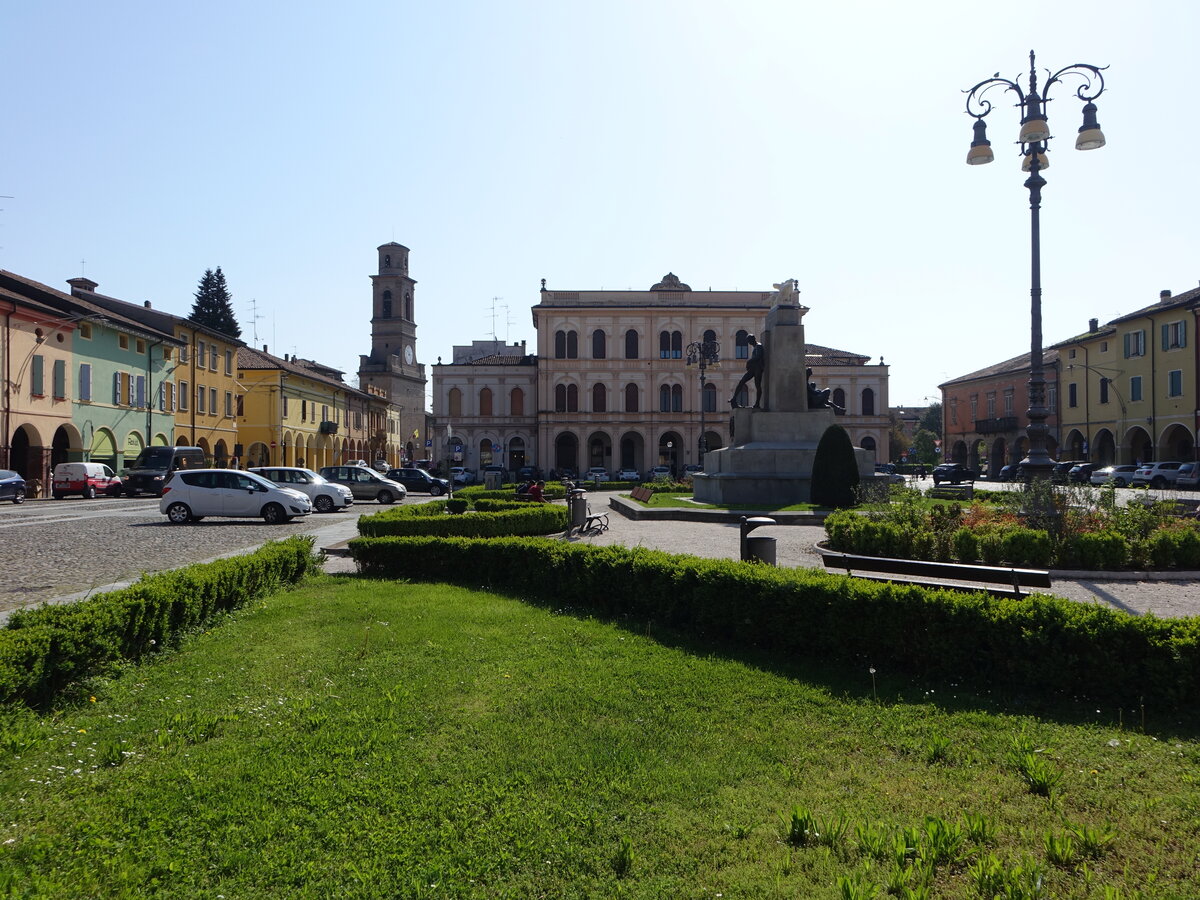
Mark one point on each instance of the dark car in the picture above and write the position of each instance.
(418, 481)
(1010, 472)
(529, 473)
(12, 486)
(1082, 473)
(1062, 470)
(955, 473)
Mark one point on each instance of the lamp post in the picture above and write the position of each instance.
(703, 354)
(1033, 139)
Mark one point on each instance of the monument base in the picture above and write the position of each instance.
(771, 459)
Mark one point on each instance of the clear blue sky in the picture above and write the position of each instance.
(597, 145)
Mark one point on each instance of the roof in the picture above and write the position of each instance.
(249, 358)
(1016, 364)
(1179, 301)
(499, 359)
(156, 318)
(817, 355)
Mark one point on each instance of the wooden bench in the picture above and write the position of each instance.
(595, 521)
(958, 576)
(952, 492)
(642, 494)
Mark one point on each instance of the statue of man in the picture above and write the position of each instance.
(817, 398)
(755, 366)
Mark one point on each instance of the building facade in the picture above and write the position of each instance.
(611, 385)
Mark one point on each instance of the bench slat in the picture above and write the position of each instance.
(923, 569)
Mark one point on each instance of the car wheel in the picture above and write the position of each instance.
(59, 496)
(436, 491)
(1158, 482)
(89, 493)
(19, 496)
(324, 503)
(273, 514)
(179, 514)
(1119, 482)
(384, 497)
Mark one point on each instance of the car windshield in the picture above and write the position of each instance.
(314, 477)
(155, 458)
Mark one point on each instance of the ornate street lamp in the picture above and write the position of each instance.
(1033, 138)
(703, 354)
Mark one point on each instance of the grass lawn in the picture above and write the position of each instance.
(383, 739)
(684, 500)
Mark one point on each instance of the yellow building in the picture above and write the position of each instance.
(295, 412)
(1129, 389)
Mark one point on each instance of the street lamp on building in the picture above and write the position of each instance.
(703, 354)
(1033, 138)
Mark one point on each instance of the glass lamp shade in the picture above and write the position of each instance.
(980, 154)
(1033, 131)
(1042, 160)
(1092, 139)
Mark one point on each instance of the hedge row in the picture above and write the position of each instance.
(553, 491)
(43, 650)
(1037, 645)
(431, 519)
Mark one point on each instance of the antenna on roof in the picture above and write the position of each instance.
(254, 317)
(495, 300)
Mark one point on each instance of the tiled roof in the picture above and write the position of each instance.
(157, 318)
(249, 358)
(1179, 300)
(817, 355)
(499, 359)
(83, 308)
(1016, 364)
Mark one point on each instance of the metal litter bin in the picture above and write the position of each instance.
(761, 549)
(577, 507)
(492, 480)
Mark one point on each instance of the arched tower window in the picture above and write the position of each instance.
(485, 402)
(631, 398)
(455, 402)
(516, 402)
(599, 344)
(868, 402)
(387, 261)
(387, 304)
(710, 336)
(631, 344)
(599, 398)
(408, 306)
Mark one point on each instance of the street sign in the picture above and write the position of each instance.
(428, 442)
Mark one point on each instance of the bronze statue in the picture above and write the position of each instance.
(755, 366)
(817, 398)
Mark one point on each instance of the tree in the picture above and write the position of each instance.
(925, 447)
(897, 439)
(213, 307)
(835, 470)
(931, 420)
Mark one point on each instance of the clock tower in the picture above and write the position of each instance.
(392, 365)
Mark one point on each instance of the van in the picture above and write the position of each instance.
(155, 465)
(87, 479)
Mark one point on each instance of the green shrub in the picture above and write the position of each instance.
(835, 470)
(966, 545)
(1026, 547)
(43, 650)
(1095, 550)
(1036, 644)
(518, 519)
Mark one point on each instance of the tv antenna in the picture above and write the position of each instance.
(495, 301)
(254, 317)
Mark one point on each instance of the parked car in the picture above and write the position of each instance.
(659, 473)
(690, 470)
(357, 462)
(888, 473)
(325, 495)
(1157, 474)
(1060, 471)
(154, 467)
(1121, 476)
(529, 473)
(1010, 472)
(597, 473)
(629, 475)
(1188, 477)
(381, 465)
(1082, 473)
(462, 476)
(955, 473)
(365, 483)
(191, 494)
(87, 479)
(12, 486)
(418, 481)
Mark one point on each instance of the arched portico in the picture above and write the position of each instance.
(1074, 445)
(670, 451)
(599, 450)
(1176, 442)
(633, 451)
(1104, 449)
(566, 452)
(1137, 445)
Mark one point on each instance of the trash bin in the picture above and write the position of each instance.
(577, 506)
(492, 480)
(761, 549)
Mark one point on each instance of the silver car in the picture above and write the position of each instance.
(191, 494)
(325, 495)
(365, 484)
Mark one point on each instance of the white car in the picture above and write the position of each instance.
(659, 473)
(325, 495)
(629, 475)
(459, 475)
(597, 473)
(191, 494)
(1121, 476)
(1157, 474)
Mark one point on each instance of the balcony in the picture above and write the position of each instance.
(996, 426)
(328, 428)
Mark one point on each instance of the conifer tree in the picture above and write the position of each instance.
(214, 307)
(835, 470)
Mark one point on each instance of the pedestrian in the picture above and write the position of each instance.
(537, 492)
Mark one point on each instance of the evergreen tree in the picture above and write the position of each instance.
(932, 420)
(214, 307)
(925, 447)
(835, 470)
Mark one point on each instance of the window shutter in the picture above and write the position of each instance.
(162, 396)
(37, 375)
(1126, 346)
(141, 392)
(1183, 334)
(85, 382)
(116, 388)
(1166, 337)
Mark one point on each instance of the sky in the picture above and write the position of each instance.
(598, 146)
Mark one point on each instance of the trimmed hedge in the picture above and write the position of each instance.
(1035, 645)
(514, 518)
(45, 649)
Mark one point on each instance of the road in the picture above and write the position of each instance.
(54, 548)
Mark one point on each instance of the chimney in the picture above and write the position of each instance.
(1093, 324)
(1163, 296)
(146, 304)
(81, 284)
(265, 349)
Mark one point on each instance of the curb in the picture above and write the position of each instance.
(632, 510)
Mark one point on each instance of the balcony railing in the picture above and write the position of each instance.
(995, 426)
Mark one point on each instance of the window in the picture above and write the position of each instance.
(212, 356)
(599, 344)
(200, 350)
(162, 396)
(228, 362)
(1135, 388)
(1175, 383)
(741, 346)
(303, 410)
(868, 403)
(954, 411)
(1104, 346)
(454, 401)
(1071, 353)
(560, 398)
(183, 351)
(572, 396)
(229, 404)
(1008, 401)
(599, 398)
(1072, 395)
(566, 345)
(387, 304)
(241, 404)
(140, 392)
(37, 370)
(85, 382)
(664, 397)
(1051, 397)
(838, 397)
(708, 398)
(710, 337)
(677, 398)
(1103, 390)
(631, 398)
(212, 401)
(123, 341)
(408, 307)
(631, 344)
(1174, 335)
(324, 411)
(676, 345)
(516, 402)
(200, 397)
(285, 404)
(990, 400)
(1135, 344)
(85, 330)
(664, 345)
(139, 346)
(118, 382)
(572, 345)
(485, 402)
(974, 407)
(357, 417)
(185, 392)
